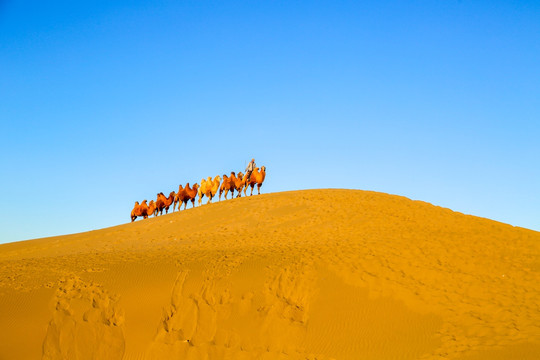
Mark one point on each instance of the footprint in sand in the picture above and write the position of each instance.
(188, 324)
(86, 323)
(206, 322)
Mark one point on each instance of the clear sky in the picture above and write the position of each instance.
(103, 103)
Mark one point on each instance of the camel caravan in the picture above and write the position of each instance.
(209, 187)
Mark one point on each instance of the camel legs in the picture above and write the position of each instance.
(252, 185)
(259, 188)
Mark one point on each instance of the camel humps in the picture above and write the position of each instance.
(163, 202)
(257, 177)
(209, 187)
(142, 209)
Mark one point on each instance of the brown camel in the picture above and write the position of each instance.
(191, 194)
(136, 211)
(142, 209)
(183, 196)
(238, 182)
(257, 177)
(226, 186)
(163, 202)
(177, 198)
(150, 210)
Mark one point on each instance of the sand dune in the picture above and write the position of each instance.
(318, 274)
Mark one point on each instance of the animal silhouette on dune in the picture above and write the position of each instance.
(226, 186)
(212, 190)
(238, 182)
(150, 210)
(184, 195)
(142, 209)
(136, 211)
(257, 177)
(209, 188)
(190, 194)
(177, 197)
(202, 189)
(163, 202)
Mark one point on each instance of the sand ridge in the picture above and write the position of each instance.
(315, 274)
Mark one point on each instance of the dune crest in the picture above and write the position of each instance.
(318, 274)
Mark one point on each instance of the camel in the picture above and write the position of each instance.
(159, 203)
(212, 187)
(226, 186)
(150, 210)
(183, 195)
(163, 202)
(238, 182)
(142, 209)
(136, 211)
(190, 194)
(209, 188)
(170, 201)
(177, 198)
(202, 190)
(257, 177)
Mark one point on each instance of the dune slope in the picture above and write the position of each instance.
(318, 274)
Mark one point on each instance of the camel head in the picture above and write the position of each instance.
(263, 168)
(195, 186)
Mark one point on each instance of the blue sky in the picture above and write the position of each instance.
(103, 103)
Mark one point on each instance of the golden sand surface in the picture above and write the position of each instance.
(316, 274)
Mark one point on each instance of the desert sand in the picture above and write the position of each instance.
(315, 274)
